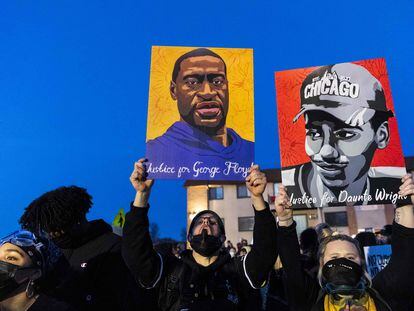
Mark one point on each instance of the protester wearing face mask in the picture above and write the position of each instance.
(232, 252)
(343, 282)
(99, 278)
(206, 277)
(26, 265)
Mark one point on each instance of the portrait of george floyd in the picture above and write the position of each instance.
(200, 113)
(338, 135)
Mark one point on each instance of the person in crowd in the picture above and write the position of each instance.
(100, 279)
(244, 250)
(275, 294)
(384, 236)
(343, 281)
(366, 238)
(323, 230)
(205, 277)
(239, 247)
(232, 252)
(178, 249)
(28, 266)
(229, 245)
(165, 248)
(308, 242)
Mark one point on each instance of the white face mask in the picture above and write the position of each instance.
(232, 253)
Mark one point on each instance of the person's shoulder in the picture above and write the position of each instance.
(104, 239)
(171, 140)
(234, 134)
(158, 141)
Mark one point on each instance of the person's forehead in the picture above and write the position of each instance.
(207, 63)
(10, 247)
(316, 118)
(340, 247)
(7, 248)
(320, 116)
(209, 216)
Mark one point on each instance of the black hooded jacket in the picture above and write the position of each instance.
(183, 284)
(98, 278)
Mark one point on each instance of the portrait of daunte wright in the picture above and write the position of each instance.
(200, 113)
(338, 134)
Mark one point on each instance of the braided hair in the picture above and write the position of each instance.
(57, 210)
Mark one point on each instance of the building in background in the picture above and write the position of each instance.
(231, 200)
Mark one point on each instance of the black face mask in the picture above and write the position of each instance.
(205, 244)
(342, 276)
(12, 278)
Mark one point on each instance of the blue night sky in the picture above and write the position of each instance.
(74, 83)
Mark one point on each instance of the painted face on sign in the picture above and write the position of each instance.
(201, 91)
(340, 153)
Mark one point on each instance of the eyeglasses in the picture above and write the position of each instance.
(20, 238)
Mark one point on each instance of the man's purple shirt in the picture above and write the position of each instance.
(185, 146)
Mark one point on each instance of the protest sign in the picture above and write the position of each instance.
(200, 113)
(377, 257)
(118, 222)
(338, 135)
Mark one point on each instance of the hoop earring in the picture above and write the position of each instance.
(30, 292)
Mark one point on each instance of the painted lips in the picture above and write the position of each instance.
(331, 169)
(208, 109)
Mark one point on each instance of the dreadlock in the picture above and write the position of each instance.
(57, 210)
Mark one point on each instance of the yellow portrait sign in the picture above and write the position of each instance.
(162, 109)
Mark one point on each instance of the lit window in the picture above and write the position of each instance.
(242, 191)
(215, 193)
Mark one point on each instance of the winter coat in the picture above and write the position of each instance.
(392, 288)
(99, 278)
(183, 284)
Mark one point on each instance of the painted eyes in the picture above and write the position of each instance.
(196, 83)
(314, 134)
(218, 81)
(339, 134)
(191, 82)
(343, 134)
